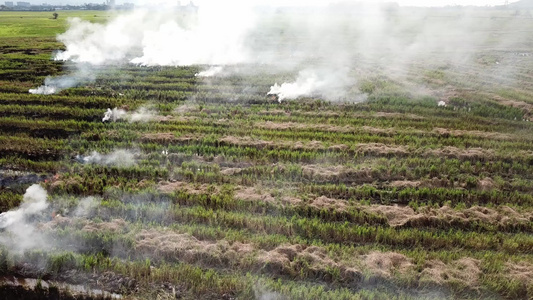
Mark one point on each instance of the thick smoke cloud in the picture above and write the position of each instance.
(158, 38)
(19, 228)
(311, 82)
(17, 231)
(325, 49)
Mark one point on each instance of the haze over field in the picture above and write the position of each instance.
(328, 50)
(310, 2)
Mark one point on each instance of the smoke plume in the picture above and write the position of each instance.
(161, 38)
(119, 158)
(327, 50)
(54, 85)
(213, 71)
(113, 115)
(18, 231)
(142, 114)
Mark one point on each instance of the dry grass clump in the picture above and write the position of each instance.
(298, 260)
(288, 200)
(522, 271)
(396, 215)
(336, 173)
(339, 147)
(253, 194)
(386, 264)
(57, 221)
(184, 247)
(486, 184)
(474, 133)
(115, 226)
(312, 145)
(328, 203)
(190, 188)
(406, 216)
(323, 172)
(169, 244)
(381, 149)
(405, 184)
(379, 131)
(316, 263)
(465, 271)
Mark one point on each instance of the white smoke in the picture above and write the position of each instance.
(331, 84)
(19, 232)
(142, 114)
(19, 228)
(119, 158)
(349, 38)
(44, 90)
(307, 84)
(262, 293)
(157, 37)
(114, 114)
(54, 85)
(213, 71)
(85, 206)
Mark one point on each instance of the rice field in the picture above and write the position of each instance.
(210, 189)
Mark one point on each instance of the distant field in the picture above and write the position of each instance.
(224, 193)
(42, 24)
